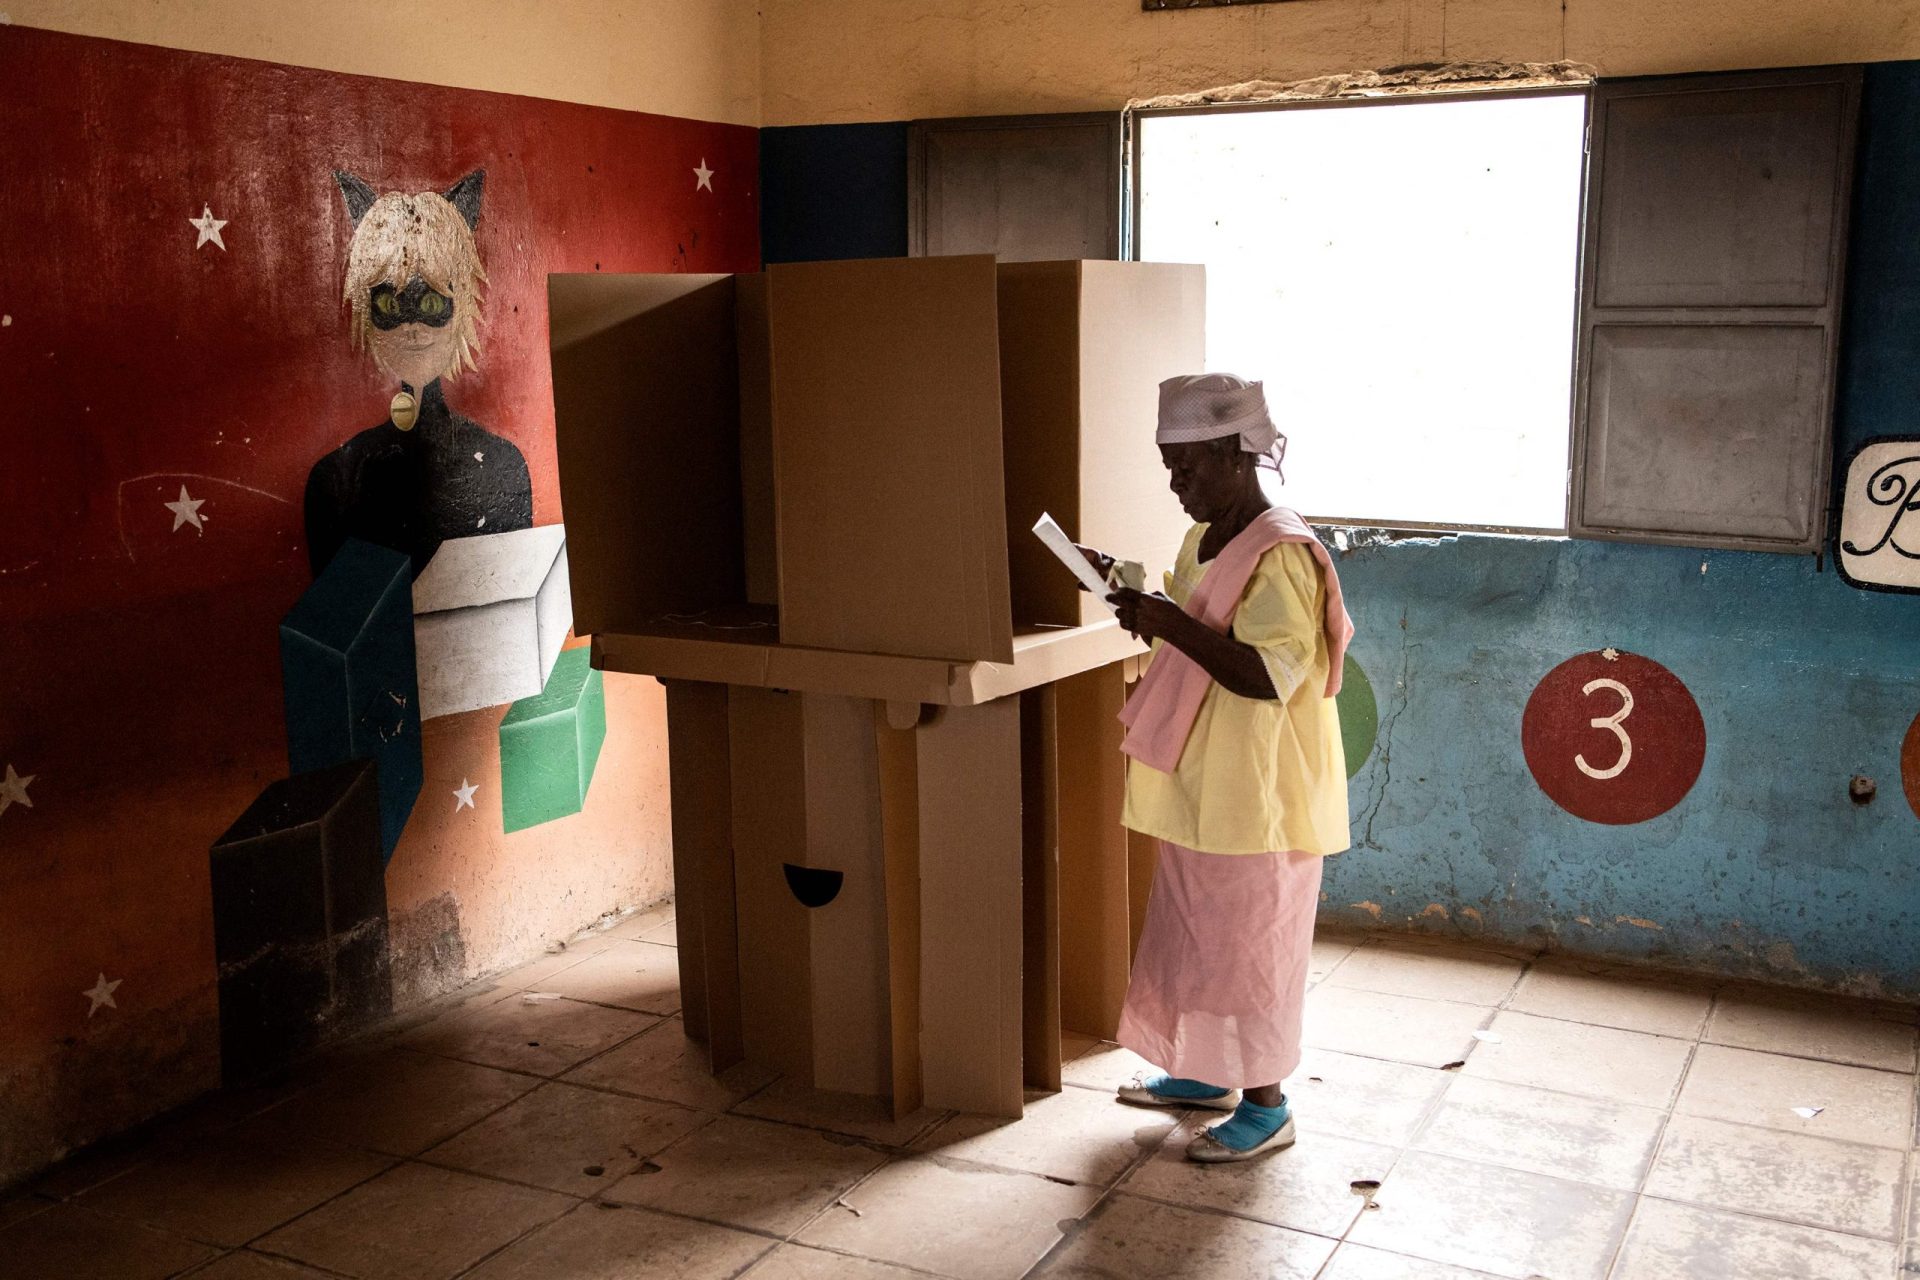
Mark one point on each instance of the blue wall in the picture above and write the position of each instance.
(1767, 868)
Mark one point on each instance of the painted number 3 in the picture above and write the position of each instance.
(1612, 722)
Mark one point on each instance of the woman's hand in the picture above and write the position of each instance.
(1150, 617)
(1102, 562)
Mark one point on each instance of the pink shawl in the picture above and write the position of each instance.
(1160, 715)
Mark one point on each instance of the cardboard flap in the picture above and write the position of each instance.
(890, 509)
(646, 421)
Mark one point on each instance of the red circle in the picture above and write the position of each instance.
(1665, 740)
(1910, 765)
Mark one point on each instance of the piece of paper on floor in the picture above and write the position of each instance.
(1491, 1037)
(1808, 1113)
(535, 997)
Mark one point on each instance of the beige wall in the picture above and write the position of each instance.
(693, 58)
(830, 61)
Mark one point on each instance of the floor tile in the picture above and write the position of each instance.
(71, 1243)
(1571, 1057)
(244, 1265)
(966, 1221)
(1517, 1126)
(1133, 1237)
(1464, 976)
(400, 1103)
(1668, 1241)
(613, 1242)
(558, 1135)
(641, 923)
(1326, 957)
(231, 1187)
(1307, 1187)
(631, 975)
(1805, 1029)
(1076, 1134)
(1843, 1186)
(415, 1223)
(20, 1208)
(663, 1063)
(530, 976)
(1860, 1105)
(1364, 1098)
(1373, 1024)
(525, 1033)
(1580, 995)
(797, 1262)
(1105, 1067)
(749, 1173)
(790, 1102)
(1500, 1220)
(1357, 1262)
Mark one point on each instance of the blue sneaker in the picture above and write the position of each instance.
(1163, 1090)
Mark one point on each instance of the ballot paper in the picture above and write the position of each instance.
(1048, 530)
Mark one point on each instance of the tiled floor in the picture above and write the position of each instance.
(1521, 1119)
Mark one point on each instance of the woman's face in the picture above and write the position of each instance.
(1207, 476)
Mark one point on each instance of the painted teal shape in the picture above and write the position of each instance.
(549, 744)
(348, 677)
(1359, 715)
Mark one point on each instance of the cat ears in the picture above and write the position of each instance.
(463, 195)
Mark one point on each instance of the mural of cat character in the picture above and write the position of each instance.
(426, 474)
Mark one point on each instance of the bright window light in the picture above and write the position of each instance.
(1402, 277)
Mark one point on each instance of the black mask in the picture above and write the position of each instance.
(415, 304)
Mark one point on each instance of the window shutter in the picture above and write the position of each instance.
(1710, 308)
(1024, 188)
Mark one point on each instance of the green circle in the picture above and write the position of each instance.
(1359, 715)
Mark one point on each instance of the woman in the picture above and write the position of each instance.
(1236, 768)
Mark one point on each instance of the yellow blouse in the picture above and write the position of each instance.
(1258, 775)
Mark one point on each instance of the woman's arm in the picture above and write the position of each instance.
(1234, 666)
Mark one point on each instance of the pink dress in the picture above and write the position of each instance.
(1219, 980)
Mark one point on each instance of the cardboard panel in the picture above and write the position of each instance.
(769, 830)
(647, 427)
(1140, 324)
(890, 506)
(702, 790)
(971, 929)
(1040, 889)
(899, 774)
(1095, 929)
(756, 438)
(1040, 427)
(852, 1044)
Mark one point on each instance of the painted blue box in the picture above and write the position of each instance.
(347, 666)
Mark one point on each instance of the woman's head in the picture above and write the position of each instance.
(1215, 434)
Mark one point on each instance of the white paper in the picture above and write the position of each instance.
(1049, 531)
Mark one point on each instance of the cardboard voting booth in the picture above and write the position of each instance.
(802, 500)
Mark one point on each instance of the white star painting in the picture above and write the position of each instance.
(13, 790)
(102, 994)
(186, 510)
(209, 228)
(463, 795)
(703, 176)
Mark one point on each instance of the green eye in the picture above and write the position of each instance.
(433, 305)
(385, 303)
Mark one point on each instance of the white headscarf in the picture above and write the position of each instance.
(1212, 406)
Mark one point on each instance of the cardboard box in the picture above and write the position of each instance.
(490, 614)
(1084, 347)
(889, 503)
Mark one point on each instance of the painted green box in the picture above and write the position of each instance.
(549, 744)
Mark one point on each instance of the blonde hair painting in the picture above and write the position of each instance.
(398, 237)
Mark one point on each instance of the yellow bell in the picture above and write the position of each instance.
(404, 410)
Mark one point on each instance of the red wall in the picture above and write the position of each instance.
(139, 664)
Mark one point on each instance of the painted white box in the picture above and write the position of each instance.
(1880, 516)
(490, 613)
